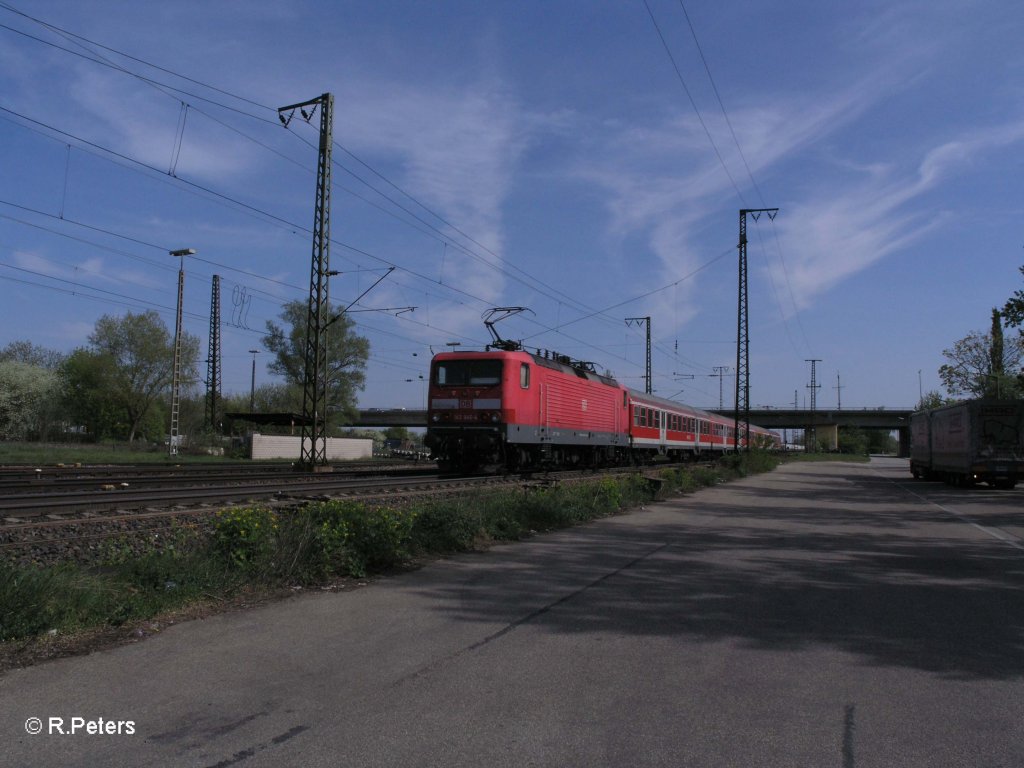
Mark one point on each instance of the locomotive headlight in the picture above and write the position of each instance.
(494, 418)
(436, 417)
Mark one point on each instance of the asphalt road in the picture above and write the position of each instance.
(822, 615)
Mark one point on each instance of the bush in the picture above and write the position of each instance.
(447, 526)
(377, 537)
(246, 537)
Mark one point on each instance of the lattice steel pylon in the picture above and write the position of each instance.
(213, 372)
(742, 415)
(173, 437)
(814, 386)
(648, 385)
(313, 451)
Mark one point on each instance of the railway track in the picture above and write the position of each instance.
(54, 526)
(15, 480)
(59, 524)
(16, 507)
(126, 489)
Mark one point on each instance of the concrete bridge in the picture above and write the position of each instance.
(825, 422)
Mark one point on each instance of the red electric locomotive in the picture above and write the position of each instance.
(518, 410)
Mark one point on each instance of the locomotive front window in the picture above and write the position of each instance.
(468, 373)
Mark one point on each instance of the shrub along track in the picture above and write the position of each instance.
(74, 585)
(48, 527)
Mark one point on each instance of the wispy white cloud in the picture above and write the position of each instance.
(91, 270)
(838, 232)
(33, 262)
(664, 181)
(459, 150)
(142, 123)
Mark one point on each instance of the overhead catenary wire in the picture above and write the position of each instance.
(754, 184)
(296, 229)
(531, 282)
(271, 218)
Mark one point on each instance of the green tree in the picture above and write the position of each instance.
(1013, 310)
(83, 378)
(346, 359)
(1013, 314)
(398, 433)
(26, 397)
(932, 399)
(116, 384)
(970, 370)
(853, 440)
(32, 354)
(880, 441)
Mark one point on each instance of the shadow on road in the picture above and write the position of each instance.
(836, 558)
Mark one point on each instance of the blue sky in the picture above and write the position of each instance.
(549, 155)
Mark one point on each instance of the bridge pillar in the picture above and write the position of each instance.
(828, 437)
(904, 442)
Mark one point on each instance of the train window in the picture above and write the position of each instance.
(636, 416)
(462, 373)
(524, 376)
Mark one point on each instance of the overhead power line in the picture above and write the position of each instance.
(689, 96)
(496, 262)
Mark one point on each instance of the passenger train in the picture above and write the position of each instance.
(514, 410)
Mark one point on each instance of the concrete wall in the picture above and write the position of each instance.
(289, 447)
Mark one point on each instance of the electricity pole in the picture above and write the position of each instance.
(814, 386)
(647, 375)
(743, 332)
(839, 392)
(252, 386)
(172, 442)
(313, 452)
(213, 377)
(720, 371)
